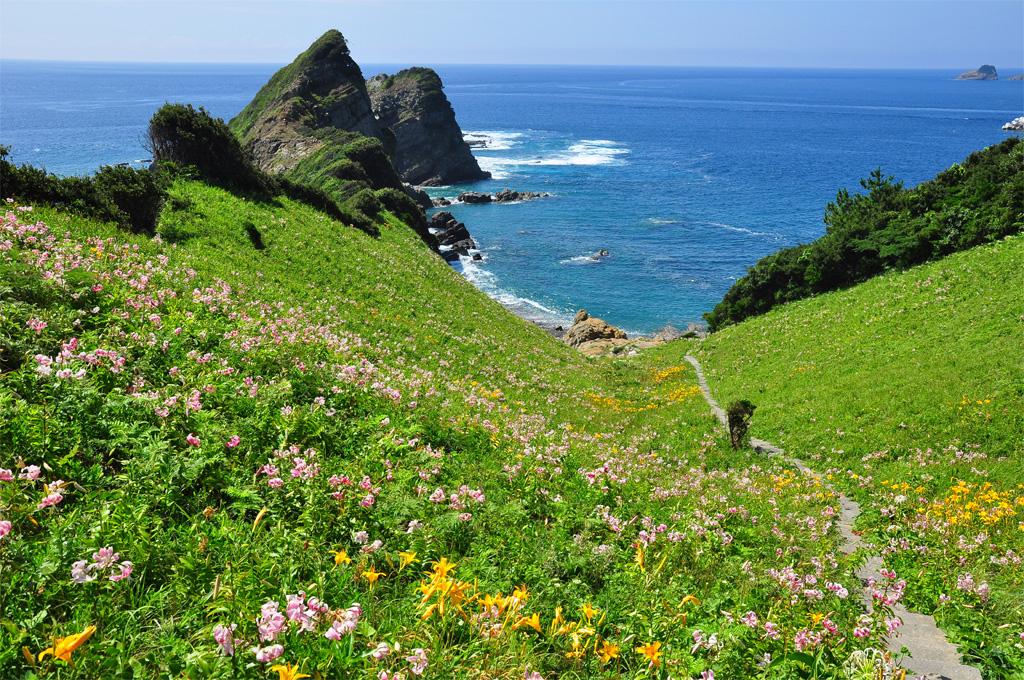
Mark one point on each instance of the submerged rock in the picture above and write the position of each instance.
(586, 328)
(429, 148)
(986, 72)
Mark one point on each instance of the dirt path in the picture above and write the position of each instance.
(931, 655)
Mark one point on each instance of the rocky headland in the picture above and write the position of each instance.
(985, 72)
(429, 148)
(316, 123)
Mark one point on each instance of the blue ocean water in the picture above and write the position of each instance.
(686, 176)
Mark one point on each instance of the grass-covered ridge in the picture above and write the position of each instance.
(292, 429)
(909, 390)
(889, 227)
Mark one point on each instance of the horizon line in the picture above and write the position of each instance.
(1011, 69)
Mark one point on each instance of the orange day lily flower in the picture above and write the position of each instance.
(608, 651)
(652, 652)
(528, 622)
(63, 647)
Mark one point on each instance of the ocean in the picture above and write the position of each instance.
(686, 176)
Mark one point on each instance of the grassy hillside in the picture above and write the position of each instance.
(889, 227)
(289, 431)
(909, 390)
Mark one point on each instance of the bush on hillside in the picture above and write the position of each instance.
(190, 137)
(129, 197)
(889, 227)
(138, 194)
(739, 414)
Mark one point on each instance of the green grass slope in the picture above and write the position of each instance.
(291, 430)
(909, 390)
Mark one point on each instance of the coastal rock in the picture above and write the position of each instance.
(508, 195)
(420, 196)
(475, 197)
(586, 328)
(986, 72)
(441, 202)
(1015, 124)
(429, 149)
(1019, 76)
(451, 237)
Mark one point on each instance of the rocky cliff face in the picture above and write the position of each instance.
(320, 95)
(986, 72)
(429, 149)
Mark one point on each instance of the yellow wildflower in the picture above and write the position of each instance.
(442, 567)
(640, 559)
(405, 559)
(288, 672)
(689, 599)
(608, 651)
(528, 622)
(652, 652)
(341, 557)
(589, 611)
(62, 647)
(371, 575)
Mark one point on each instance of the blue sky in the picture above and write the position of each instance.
(818, 33)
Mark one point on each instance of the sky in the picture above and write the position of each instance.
(810, 33)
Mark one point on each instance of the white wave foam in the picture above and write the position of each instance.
(494, 166)
(741, 230)
(528, 309)
(584, 152)
(581, 259)
(492, 140)
(661, 220)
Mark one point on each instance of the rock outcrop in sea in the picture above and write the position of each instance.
(503, 196)
(317, 101)
(1015, 124)
(429, 148)
(986, 72)
(315, 124)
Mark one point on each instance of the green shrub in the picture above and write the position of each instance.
(129, 197)
(138, 194)
(192, 137)
(889, 227)
(739, 414)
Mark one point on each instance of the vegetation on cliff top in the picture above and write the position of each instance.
(889, 227)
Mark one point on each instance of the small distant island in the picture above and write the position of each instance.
(984, 72)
